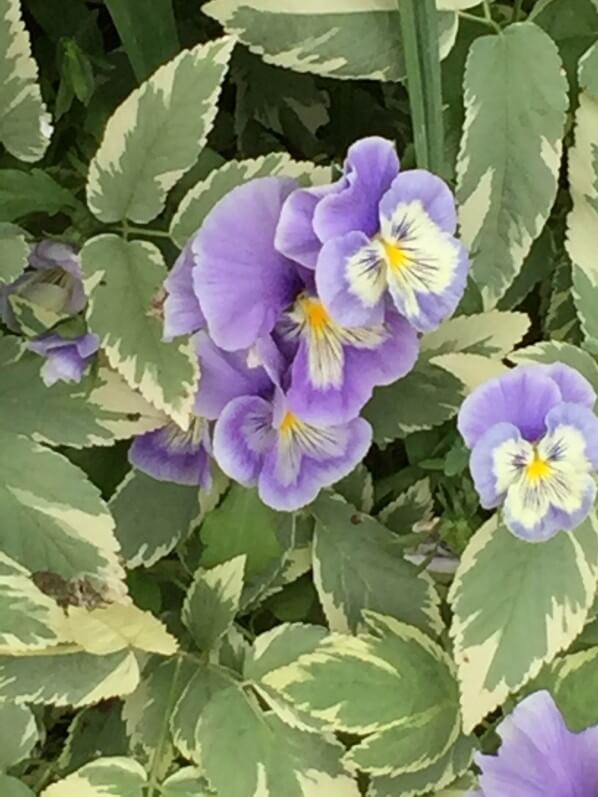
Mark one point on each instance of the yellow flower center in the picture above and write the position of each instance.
(316, 314)
(396, 257)
(289, 422)
(538, 469)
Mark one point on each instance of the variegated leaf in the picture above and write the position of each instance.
(67, 676)
(573, 681)
(106, 777)
(124, 282)
(25, 127)
(11, 787)
(41, 489)
(198, 202)
(96, 731)
(18, 734)
(187, 782)
(552, 351)
(516, 605)
(152, 517)
(492, 334)
(359, 564)
(319, 37)
(155, 136)
(413, 506)
(582, 231)
(358, 488)
(14, 254)
(507, 183)
(213, 600)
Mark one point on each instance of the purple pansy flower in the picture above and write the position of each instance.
(534, 440)
(540, 756)
(248, 290)
(54, 278)
(66, 358)
(378, 231)
(182, 312)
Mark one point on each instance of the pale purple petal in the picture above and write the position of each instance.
(295, 236)
(225, 376)
(371, 166)
(333, 287)
(582, 419)
(172, 455)
(243, 282)
(242, 436)
(539, 756)
(554, 520)
(433, 193)
(573, 386)
(314, 473)
(522, 397)
(182, 312)
(481, 463)
(66, 358)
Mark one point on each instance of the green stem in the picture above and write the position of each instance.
(487, 23)
(517, 10)
(127, 230)
(152, 784)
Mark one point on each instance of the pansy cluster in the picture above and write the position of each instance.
(301, 301)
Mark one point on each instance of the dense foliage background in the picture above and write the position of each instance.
(157, 639)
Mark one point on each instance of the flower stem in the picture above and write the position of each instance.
(517, 10)
(487, 23)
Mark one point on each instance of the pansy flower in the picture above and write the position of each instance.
(248, 290)
(378, 232)
(182, 312)
(67, 359)
(540, 756)
(534, 440)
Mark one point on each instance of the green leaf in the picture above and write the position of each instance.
(538, 268)
(413, 506)
(582, 222)
(54, 519)
(359, 564)
(492, 334)
(552, 351)
(33, 191)
(123, 280)
(18, 734)
(561, 321)
(11, 787)
(516, 605)
(187, 782)
(507, 183)
(242, 524)
(198, 202)
(25, 127)
(270, 757)
(152, 517)
(289, 34)
(282, 646)
(97, 730)
(155, 136)
(431, 778)
(419, 29)
(148, 32)
(121, 777)
(65, 676)
(96, 412)
(358, 489)
(14, 255)
(77, 66)
(375, 683)
(574, 683)
(213, 601)
(572, 25)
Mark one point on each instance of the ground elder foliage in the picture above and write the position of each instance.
(298, 375)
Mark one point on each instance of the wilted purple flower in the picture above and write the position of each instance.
(53, 279)
(534, 441)
(540, 756)
(378, 231)
(66, 358)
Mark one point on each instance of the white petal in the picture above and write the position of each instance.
(366, 274)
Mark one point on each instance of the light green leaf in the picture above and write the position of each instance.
(270, 757)
(413, 506)
(358, 564)
(18, 734)
(53, 518)
(152, 517)
(187, 782)
(436, 776)
(561, 321)
(33, 191)
(121, 777)
(123, 280)
(358, 488)
(572, 25)
(582, 223)
(573, 683)
(96, 412)
(242, 524)
(65, 676)
(97, 730)
(14, 255)
(492, 334)
(213, 601)
(376, 683)
(11, 787)
(507, 183)
(198, 202)
(516, 605)
(155, 136)
(282, 646)
(319, 37)
(552, 351)
(25, 127)
(147, 711)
